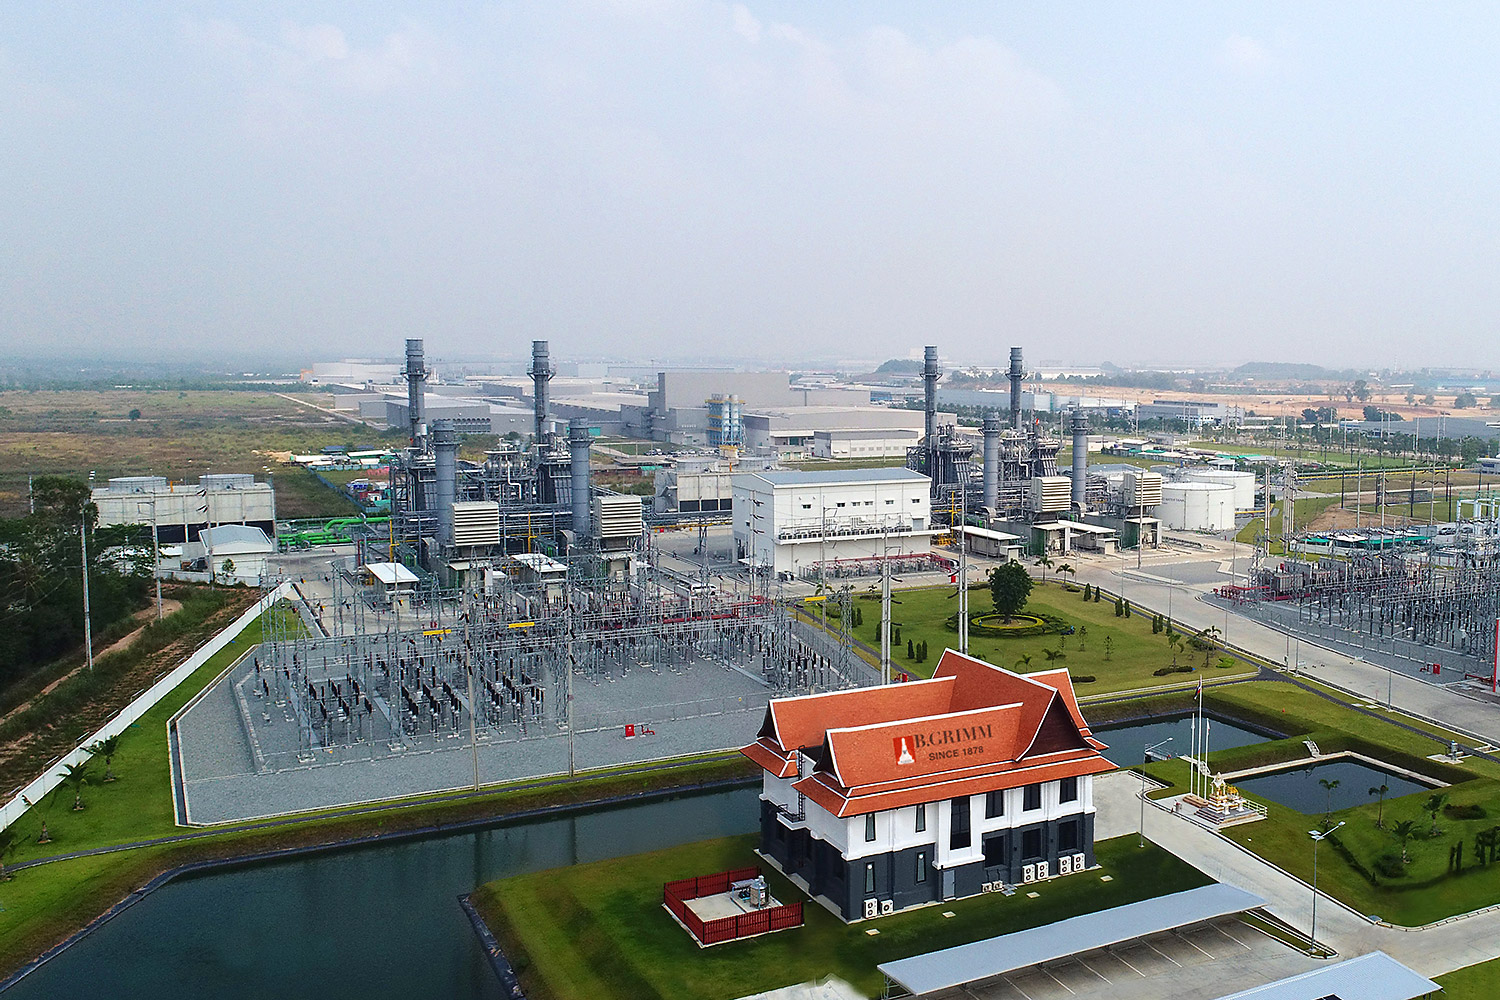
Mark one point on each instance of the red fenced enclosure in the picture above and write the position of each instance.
(774, 918)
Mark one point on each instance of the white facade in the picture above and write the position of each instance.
(789, 521)
(1243, 483)
(180, 510)
(846, 443)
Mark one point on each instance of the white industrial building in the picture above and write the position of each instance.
(181, 511)
(789, 522)
(849, 442)
(237, 553)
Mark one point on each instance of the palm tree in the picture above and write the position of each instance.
(1054, 655)
(1404, 831)
(1044, 561)
(1023, 663)
(1066, 568)
(1380, 790)
(107, 748)
(1175, 641)
(75, 776)
(1328, 786)
(1435, 805)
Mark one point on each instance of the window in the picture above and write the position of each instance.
(994, 804)
(870, 877)
(996, 854)
(921, 875)
(958, 836)
(807, 506)
(1067, 790)
(869, 827)
(1067, 836)
(922, 817)
(1032, 797)
(889, 502)
(1031, 845)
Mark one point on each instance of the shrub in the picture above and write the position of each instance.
(1164, 671)
(1469, 810)
(1084, 678)
(1389, 865)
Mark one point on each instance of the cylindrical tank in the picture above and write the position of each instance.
(1017, 373)
(992, 428)
(445, 458)
(1192, 506)
(578, 454)
(416, 375)
(1243, 483)
(1080, 461)
(929, 385)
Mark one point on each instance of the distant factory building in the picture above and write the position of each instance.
(792, 431)
(789, 522)
(847, 442)
(1195, 413)
(181, 510)
(879, 799)
(469, 416)
(680, 409)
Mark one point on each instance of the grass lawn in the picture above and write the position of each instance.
(598, 931)
(1305, 510)
(1477, 982)
(1425, 892)
(1134, 654)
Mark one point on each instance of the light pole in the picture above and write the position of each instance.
(1318, 838)
(1146, 760)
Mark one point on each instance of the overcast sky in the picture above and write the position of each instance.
(1134, 182)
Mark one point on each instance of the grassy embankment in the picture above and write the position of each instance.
(1426, 891)
(1476, 982)
(45, 903)
(599, 932)
(1127, 661)
(1304, 510)
(181, 435)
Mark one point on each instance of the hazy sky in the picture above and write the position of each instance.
(653, 178)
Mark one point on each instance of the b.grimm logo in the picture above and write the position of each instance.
(903, 750)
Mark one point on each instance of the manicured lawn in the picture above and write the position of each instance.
(1134, 654)
(1477, 982)
(599, 932)
(1426, 891)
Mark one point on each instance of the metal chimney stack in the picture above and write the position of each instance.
(930, 376)
(578, 451)
(1080, 461)
(1017, 374)
(992, 426)
(445, 458)
(416, 378)
(541, 373)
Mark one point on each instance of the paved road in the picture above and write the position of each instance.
(1432, 951)
(1151, 587)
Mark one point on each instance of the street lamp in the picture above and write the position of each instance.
(1147, 759)
(1318, 838)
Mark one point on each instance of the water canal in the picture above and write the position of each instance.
(371, 922)
(1128, 741)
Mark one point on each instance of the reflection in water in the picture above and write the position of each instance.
(366, 923)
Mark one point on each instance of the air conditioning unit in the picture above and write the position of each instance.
(872, 908)
(987, 887)
(1041, 869)
(887, 907)
(1065, 865)
(1028, 873)
(1079, 864)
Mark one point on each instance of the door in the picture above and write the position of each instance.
(950, 889)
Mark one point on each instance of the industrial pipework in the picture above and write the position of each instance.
(992, 427)
(1080, 461)
(541, 373)
(416, 376)
(445, 458)
(930, 375)
(1017, 373)
(578, 449)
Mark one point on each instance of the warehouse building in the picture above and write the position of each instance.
(789, 522)
(878, 799)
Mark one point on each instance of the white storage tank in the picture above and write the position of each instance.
(1243, 483)
(1194, 506)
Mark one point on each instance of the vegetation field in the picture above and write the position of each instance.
(1418, 890)
(180, 435)
(599, 932)
(1120, 654)
(1477, 982)
(1304, 511)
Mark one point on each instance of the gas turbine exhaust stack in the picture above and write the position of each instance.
(541, 373)
(930, 375)
(416, 378)
(1017, 374)
(579, 474)
(1080, 461)
(445, 459)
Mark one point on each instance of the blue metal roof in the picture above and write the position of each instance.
(941, 970)
(1376, 976)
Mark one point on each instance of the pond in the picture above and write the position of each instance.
(1298, 788)
(1128, 741)
(370, 922)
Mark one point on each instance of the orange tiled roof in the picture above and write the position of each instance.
(972, 728)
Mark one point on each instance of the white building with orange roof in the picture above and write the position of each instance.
(878, 799)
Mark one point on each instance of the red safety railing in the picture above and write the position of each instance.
(775, 918)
